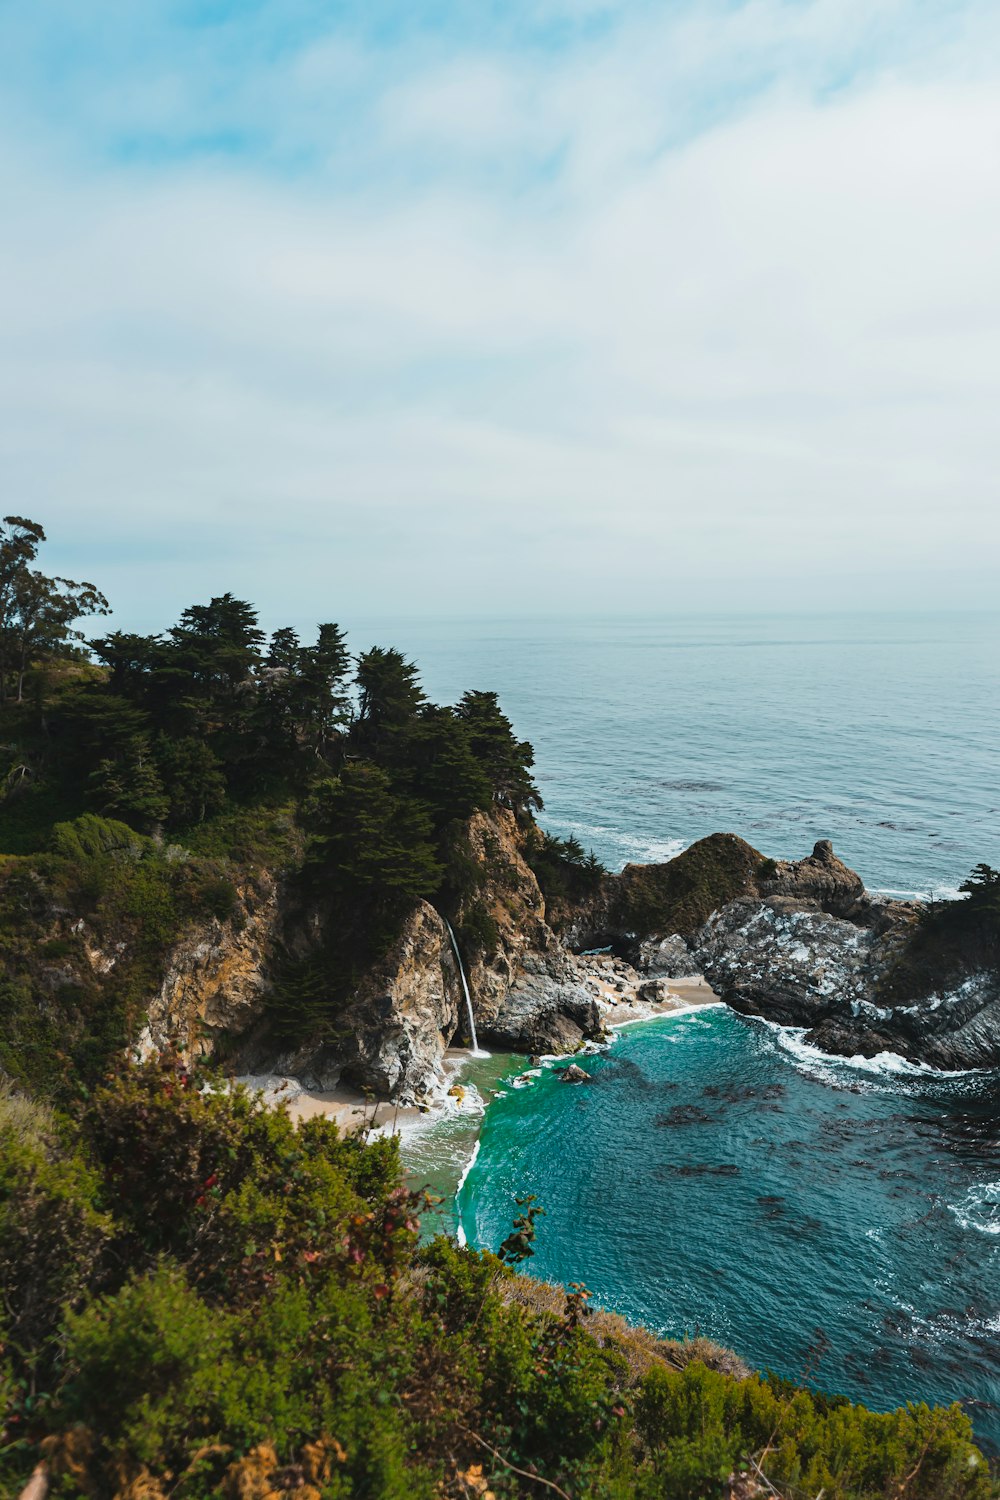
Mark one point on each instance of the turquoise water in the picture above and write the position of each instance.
(718, 1177)
(715, 1177)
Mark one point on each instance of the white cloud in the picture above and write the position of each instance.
(761, 351)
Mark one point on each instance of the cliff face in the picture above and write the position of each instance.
(504, 892)
(392, 1032)
(527, 993)
(404, 1014)
(799, 942)
(217, 976)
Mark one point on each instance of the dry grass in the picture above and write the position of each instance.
(23, 1118)
(640, 1349)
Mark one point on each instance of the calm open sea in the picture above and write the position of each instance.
(880, 732)
(718, 1175)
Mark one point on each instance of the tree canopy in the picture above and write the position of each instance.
(37, 612)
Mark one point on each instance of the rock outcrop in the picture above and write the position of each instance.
(805, 944)
(398, 1024)
(548, 1008)
(216, 977)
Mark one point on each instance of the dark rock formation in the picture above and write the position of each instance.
(803, 943)
(814, 949)
(547, 1009)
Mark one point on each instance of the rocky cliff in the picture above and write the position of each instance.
(799, 942)
(393, 1030)
(216, 978)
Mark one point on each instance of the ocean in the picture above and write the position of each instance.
(718, 1176)
(881, 733)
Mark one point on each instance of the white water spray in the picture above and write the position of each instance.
(465, 991)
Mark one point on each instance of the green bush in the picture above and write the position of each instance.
(211, 1301)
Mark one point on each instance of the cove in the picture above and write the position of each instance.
(719, 1177)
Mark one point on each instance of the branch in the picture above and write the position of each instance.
(37, 1487)
(535, 1478)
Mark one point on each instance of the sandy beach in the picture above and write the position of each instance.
(349, 1108)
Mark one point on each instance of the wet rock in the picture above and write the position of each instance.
(574, 1074)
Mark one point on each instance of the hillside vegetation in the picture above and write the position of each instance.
(145, 782)
(201, 1299)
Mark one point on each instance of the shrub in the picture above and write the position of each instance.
(211, 1301)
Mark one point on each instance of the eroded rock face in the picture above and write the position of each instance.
(666, 958)
(216, 978)
(509, 896)
(547, 1009)
(405, 1013)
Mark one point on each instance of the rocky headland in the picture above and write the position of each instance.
(798, 942)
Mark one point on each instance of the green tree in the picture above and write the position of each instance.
(36, 612)
(371, 852)
(284, 650)
(192, 779)
(506, 760)
(20, 540)
(131, 660)
(440, 768)
(129, 786)
(390, 699)
(218, 645)
(44, 611)
(322, 701)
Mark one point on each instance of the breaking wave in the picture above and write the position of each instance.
(980, 1209)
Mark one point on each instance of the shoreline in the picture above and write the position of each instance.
(461, 1104)
(351, 1109)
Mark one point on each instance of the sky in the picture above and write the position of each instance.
(534, 307)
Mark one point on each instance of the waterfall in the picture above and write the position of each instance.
(465, 991)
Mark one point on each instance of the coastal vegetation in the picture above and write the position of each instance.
(950, 940)
(655, 900)
(202, 1299)
(144, 781)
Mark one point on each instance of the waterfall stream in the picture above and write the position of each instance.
(465, 991)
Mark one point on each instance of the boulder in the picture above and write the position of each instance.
(820, 877)
(668, 957)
